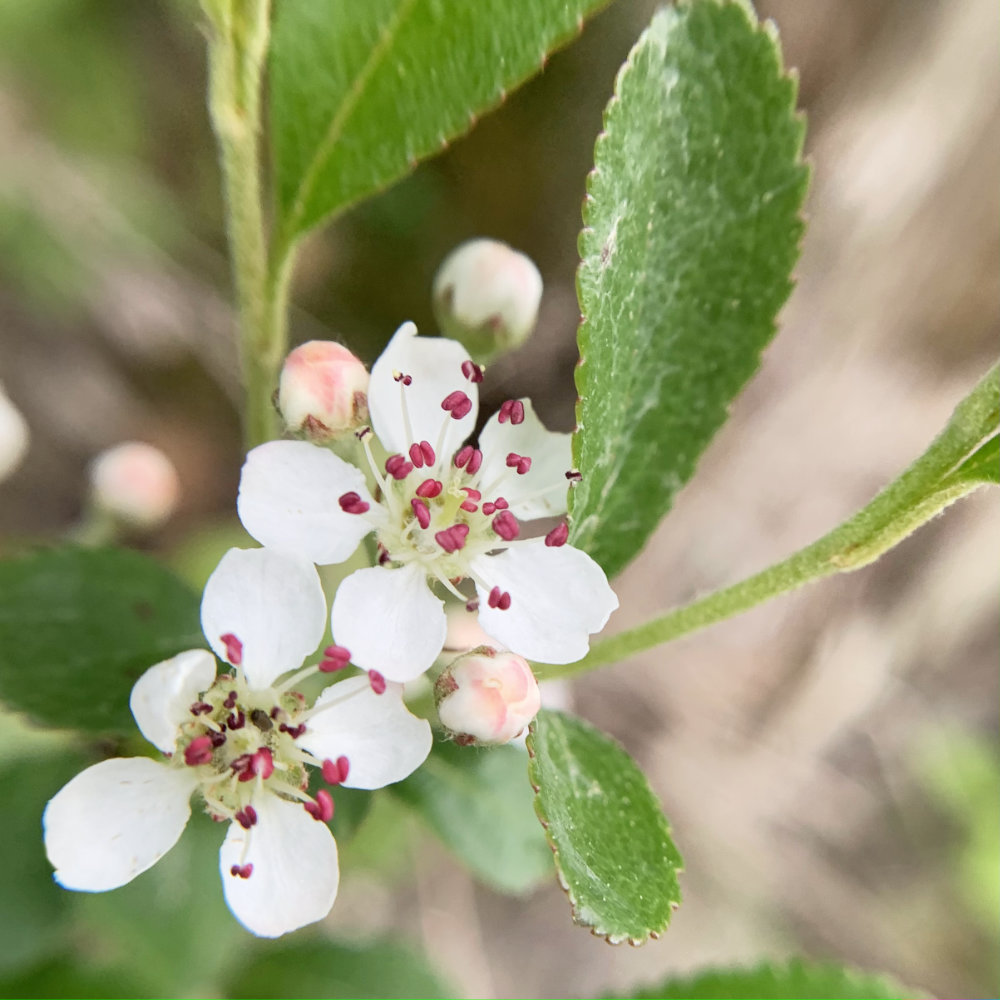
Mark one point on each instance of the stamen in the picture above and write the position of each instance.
(403, 379)
(198, 751)
(217, 739)
(231, 700)
(506, 526)
(294, 731)
(519, 462)
(452, 539)
(335, 772)
(377, 681)
(428, 452)
(469, 505)
(457, 403)
(558, 535)
(429, 488)
(475, 462)
(499, 504)
(512, 410)
(236, 720)
(416, 456)
(397, 466)
(234, 648)
(322, 809)
(574, 476)
(383, 554)
(241, 871)
(246, 817)
(472, 371)
(334, 658)
(259, 764)
(201, 708)
(351, 503)
(471, 606)
(499, 599)
(421, 511)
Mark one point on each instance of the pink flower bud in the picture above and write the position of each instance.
(487, 295)
(487, 696)
(13, 436)
(322, 390)
(135, 483)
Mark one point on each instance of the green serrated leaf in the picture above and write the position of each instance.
(691, 230)
(982, 466)
(792, 980)
(78, 627)
(322, 969)
(361, 91)
(478, 802)
(612, 844)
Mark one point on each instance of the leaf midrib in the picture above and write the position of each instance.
(339, 121)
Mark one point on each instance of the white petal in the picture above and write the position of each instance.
(295, 871)
(115, 820)
(558, 596)
(288, 500)
(273, 603)
(375, 732)
(389, 620)
(435, 365)
(542, 490)
(162, 697)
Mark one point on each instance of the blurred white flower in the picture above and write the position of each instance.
(242, 741)
(14, 436)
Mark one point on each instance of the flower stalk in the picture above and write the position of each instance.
(931, 483)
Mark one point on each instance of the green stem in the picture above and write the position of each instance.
(238, 41)
(928, 486)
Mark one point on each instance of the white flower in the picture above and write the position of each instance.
(135, 483)
(14, 436)
(242, 741)
(445, 512)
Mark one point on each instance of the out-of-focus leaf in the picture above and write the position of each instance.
(478, 801)
(65, 977)
(32, 906)
(612, 844)
(79, 626)
(322, 969)
(691, 229)
(361, 91)
(793, 980)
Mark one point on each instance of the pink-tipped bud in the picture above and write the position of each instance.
(136, 484)
(13, 436)
(486, 696)
(486, 295)
(323, 390)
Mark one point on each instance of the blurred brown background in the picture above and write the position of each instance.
(829, 763)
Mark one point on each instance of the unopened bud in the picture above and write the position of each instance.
(13, 436)
(487, 696)
(487, 295)
(135, 483)
(323, 390)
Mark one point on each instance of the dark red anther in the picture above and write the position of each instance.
(512, 410)
(334, 658)
(377, 681)
(472, 606)
(573, 476)
(475, 462)
(463, 455)
(457, 403)
(422, 454)
(506, 526)
(398, 467)
(236, 720)
(198, 751)
(452, 539)
(421, 512)
(383, 554)
(469, 505)
(241, 871)
(217, 739)
(519, 462)
(260, 763)
(472, 371)
(322, 809)
(351, 503)
(558, 535)
(231, 700)
(500, 503)
(234, 648)
(294, 731)
(499, 599)
(404, 379)
(335, 772)
(246, 817)
(429, 488)
(201, 708)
